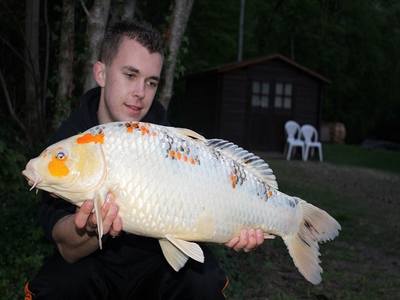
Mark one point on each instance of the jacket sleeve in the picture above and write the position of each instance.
(51, 211)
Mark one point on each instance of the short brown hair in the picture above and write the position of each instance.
(140, 31)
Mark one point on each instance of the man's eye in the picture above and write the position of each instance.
(152, 84)
(130, 75)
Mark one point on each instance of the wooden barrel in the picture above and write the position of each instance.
(338, 132)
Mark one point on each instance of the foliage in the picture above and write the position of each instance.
(21, 246)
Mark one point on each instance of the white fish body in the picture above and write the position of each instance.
(174, 185)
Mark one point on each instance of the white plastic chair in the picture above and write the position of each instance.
(310, 136)
(293, 140)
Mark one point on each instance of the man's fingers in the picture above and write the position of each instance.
(259, 237)
(232, 243)
(247, 241)
(116, 227)
(252, 240)
(107, 203)
(110, 217)
(243, 240)
(82, 215)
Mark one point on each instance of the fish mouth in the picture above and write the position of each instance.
(31, 176)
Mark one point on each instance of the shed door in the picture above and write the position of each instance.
(270, 106)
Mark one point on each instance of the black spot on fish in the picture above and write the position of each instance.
(304, 241)
(310, 227)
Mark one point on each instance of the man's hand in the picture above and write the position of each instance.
(248, 240)
(85, 219)
(75, 235)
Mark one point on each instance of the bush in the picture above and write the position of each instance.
(22, 246)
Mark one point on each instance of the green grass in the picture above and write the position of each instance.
(353, 155)
(362, 263)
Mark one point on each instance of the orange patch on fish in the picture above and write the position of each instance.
(171, 153)
(130, 126)
(234, 180)
(178, 155)
(90, 138)
(58, 168)
(144, 130)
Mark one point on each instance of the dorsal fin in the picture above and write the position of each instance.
(248, 160)
(189, 133)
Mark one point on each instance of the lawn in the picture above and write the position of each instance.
(357, 156)
(362, 263)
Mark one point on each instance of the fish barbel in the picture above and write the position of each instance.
(174, 185)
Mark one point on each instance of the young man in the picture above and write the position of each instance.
(128, 266)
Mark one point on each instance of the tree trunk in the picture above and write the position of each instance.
(180, 17)
(11, 107)
(241, 30)
(65, 64)
(97, 22)
(33, 105)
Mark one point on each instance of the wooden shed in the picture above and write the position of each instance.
(249, 102)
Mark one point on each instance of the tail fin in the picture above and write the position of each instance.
(316, 226)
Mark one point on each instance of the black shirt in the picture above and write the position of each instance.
(53, 209)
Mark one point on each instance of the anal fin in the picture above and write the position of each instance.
(175, 257)
(177, 251)
(191, 249)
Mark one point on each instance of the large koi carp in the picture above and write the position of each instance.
(176, 186)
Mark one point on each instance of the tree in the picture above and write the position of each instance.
(96, 23)
(33, 101)
(33, 93)
(180, 17)
(65, 64)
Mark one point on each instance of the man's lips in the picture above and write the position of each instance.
(133, 108)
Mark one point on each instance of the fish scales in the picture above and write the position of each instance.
(174, 185)
(176, 196)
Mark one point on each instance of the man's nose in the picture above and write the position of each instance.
(139, 89)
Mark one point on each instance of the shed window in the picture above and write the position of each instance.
(283, 95)
(260, 94)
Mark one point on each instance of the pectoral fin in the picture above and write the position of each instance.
(99, 219)
(175, 257)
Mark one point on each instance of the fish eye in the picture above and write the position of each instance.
(61, 155)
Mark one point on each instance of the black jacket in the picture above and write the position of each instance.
(83, 118)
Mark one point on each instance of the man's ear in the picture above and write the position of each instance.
(99, 73)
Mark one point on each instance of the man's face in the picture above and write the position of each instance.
(129, 83)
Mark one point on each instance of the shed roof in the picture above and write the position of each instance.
(258, 60)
